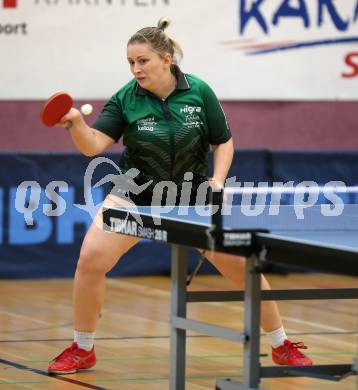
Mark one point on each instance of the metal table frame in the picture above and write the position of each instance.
(261, 247)
(250, 337)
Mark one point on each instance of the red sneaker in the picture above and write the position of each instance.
(288, 354)
(72, 360)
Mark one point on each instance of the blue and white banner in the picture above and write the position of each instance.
(43, 221)
(245, 49)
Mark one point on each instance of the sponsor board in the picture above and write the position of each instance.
(245, 49)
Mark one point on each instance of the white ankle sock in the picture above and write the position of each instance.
(277, 337)
(84, 340)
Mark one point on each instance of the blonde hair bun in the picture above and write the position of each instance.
(163, 23)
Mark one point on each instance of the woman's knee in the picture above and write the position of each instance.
(92, 261)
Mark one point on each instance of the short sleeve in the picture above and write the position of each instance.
(110, 121)
(219, 131)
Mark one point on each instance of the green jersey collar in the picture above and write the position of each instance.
(182, 82)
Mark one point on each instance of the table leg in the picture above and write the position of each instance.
(252, 300)
(178, 308)
(252, 324)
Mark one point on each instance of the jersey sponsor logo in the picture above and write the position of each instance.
(190, 109)
(190, 124)
(145, 128)
(146, 124)
(192, 119)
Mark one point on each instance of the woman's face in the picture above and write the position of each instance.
(147, 66)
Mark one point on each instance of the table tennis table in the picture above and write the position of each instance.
(312, 238)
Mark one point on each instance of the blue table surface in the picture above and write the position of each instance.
(294, 223)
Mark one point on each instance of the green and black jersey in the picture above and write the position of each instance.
(166, 139)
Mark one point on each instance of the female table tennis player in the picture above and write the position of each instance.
(168, 120)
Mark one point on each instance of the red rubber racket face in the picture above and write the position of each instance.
(55, 108)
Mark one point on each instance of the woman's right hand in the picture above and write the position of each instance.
(72, 119)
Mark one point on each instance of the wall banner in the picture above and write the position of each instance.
(245, 49)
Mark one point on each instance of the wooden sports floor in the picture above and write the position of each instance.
(133, 335)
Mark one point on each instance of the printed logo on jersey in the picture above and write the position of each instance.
(146, 124)
(192, 119)
(190, 109)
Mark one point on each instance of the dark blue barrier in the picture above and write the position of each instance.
(50, 247)
(324, 168)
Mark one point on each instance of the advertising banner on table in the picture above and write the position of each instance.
(245, 49)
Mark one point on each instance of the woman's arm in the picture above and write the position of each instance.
(90, 142)
(223, 155)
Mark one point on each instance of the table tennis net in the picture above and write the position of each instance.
(307, 208)
(274, 209)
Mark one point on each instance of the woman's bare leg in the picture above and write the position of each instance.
(100, 252)
(233, 268)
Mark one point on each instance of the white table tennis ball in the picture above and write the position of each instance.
(86, 109)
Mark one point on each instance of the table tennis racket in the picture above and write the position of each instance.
(55, 108)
